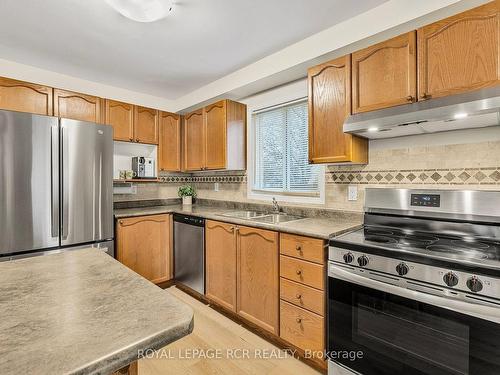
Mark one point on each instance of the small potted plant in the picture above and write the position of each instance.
(187, 193)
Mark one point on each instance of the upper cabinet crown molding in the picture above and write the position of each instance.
(329, 105)
(76, 106)
(25, 97)
(146, 125)
(460, 53)
(385, 75)
(121, 117)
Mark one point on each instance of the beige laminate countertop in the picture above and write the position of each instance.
(81, 312)
(312, 227)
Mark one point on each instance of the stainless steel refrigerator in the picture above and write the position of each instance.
(56, 185)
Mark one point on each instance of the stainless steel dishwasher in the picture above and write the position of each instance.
(189, 251)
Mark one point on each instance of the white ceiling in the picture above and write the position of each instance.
(200, 42)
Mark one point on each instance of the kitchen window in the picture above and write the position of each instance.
(281, 167)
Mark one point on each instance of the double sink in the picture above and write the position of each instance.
(262, 217)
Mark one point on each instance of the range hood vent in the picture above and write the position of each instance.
(476, 109)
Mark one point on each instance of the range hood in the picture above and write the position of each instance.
(476, 109)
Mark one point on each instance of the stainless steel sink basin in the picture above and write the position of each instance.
(245, 214)
(276, 218)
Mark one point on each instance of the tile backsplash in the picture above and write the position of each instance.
(391, 164)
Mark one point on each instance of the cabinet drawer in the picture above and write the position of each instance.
(303, 296)
(302, 272)
(305, 248)
(302, 328)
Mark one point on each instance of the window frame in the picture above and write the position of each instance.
(280, 96)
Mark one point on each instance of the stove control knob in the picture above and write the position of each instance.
(363, 260)
(402, 269)
(474, 284)
(348, 257)
(450, 279)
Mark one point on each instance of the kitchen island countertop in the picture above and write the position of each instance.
(81, 312)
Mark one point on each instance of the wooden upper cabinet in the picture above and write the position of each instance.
(215, 135)
(144, 245)
(258, 277)
(460, 53)
(25, 97)
(194, 153)
(146, 125)
(169, 145)
(121, 117)
(385, 75)
(329, 105)
(220, 245)
(76, 106)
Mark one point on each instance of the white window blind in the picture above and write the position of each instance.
(281, 153)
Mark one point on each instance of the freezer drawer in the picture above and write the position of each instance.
(86, 182)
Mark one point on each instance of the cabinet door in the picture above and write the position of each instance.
(220, 247)
(146, 125)
(329, 105)
(143, 244)
(169, 145)
(385, 75)
(258, 277)
(25, 97)
(77, 106)
(215, 135)
(460, 53)
(194, 141)
(121, 117)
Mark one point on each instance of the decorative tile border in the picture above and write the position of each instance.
(453, 176)
(223, 178)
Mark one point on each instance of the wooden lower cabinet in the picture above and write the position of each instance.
(144, 245)
(220, 266)
(258, 277)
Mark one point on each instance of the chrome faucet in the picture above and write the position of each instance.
(276, 206)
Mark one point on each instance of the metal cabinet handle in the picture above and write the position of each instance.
(137, 139)
(121, 221)
(410, 98)
(298, 272)
(298, 296)
(425, 96)
(298, 247)
(131, 139)
(298, 320)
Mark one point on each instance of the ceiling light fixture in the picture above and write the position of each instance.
(142, 10)
(460, 115)
(373, 129)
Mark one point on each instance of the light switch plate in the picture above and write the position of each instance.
(352, 193)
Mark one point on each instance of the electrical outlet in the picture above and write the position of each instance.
(216, 186)
(352, 193)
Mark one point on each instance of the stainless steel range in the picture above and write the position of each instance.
(417, 289)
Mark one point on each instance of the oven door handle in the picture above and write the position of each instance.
(478, 310)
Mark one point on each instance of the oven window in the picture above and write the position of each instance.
(397, 335)
(394, 329)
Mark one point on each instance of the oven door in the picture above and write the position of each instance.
(375, 327)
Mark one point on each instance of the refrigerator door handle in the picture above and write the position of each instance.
(54, 180)
(64, 183)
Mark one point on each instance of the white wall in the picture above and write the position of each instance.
(33, 74)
